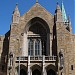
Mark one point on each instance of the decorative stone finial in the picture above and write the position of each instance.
(16, 15)
(36, 1)
(58, 7)
(57, 3)
(16, 9)
(68, 18)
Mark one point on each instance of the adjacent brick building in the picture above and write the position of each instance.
(38, 43)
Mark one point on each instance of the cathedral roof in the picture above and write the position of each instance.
(36, 7)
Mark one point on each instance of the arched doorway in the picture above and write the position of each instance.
(36, 72)
(23, 72)
(51, 72)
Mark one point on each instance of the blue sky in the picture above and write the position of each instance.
(7, 7)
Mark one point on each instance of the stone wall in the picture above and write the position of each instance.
(73, 44)
(66, 43)
(1, 48)
(4, 49)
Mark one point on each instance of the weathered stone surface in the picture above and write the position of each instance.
(59, 38)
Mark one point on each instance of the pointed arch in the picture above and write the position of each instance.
(36, 69)
(37, 20)
(36, 66)
(51, 69)
(23, 70)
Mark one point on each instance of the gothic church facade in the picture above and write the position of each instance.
(38, 43)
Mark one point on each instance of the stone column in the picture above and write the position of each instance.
(43, 65)
(50, 45)
(28, 65)
(25, 45)
(40, 48)
(30, 72)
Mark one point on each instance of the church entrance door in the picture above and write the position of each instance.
(22, 72)
(51, 72)
(36, 72)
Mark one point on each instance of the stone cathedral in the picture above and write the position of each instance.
(38, 43)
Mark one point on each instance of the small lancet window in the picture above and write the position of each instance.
(71, 67)
(37, 47)
(30, 47)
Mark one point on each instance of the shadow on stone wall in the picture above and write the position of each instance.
(4, 54)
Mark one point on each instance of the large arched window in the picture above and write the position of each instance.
(37, 31)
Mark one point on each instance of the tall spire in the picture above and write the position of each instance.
(16, 9)
(16, 15)
(64, 17)
(58, 16)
